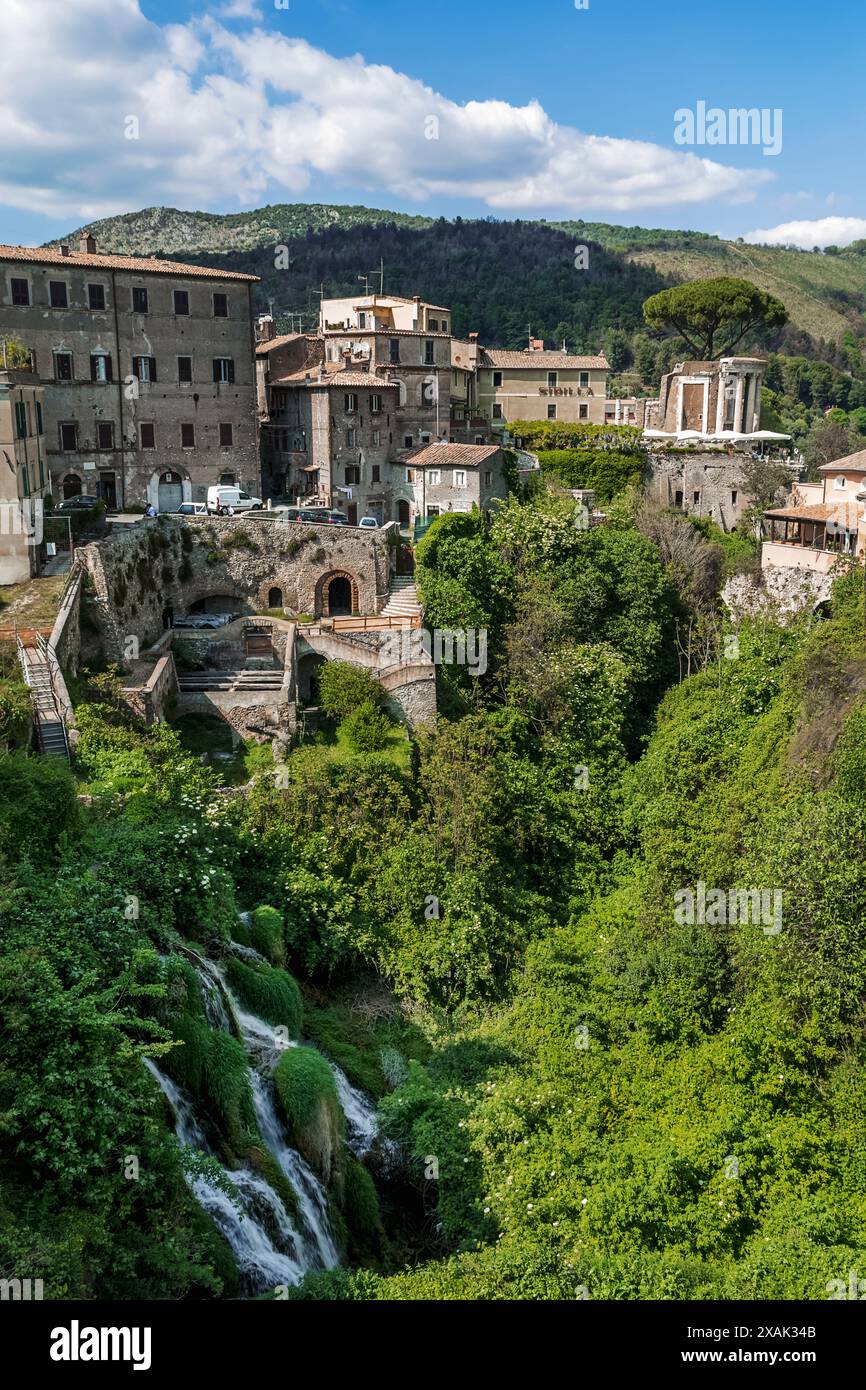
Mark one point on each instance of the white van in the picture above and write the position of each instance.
(222, 497)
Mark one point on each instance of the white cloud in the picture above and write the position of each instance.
(822, 231)
(244, 115)
(239, 9)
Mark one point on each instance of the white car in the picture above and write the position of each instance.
(192, 509)
(220, 498)
(368, 522)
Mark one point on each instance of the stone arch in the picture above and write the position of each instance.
(345, 585)
(72, 486)
(156, 479)
(275, 597)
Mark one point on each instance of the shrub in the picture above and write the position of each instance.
(362, 1214)
(343, 687)
(28, 788)
(307, 1097)
(272, 994)
(266, 934)
(367, 728)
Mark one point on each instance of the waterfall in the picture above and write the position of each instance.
(266, 1246)
(265, 1048)
(362, 1124)
(238, 948)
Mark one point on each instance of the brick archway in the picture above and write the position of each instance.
(323, 592)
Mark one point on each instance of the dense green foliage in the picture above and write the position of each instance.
(587, 1092)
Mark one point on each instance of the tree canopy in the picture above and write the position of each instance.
(713, 316)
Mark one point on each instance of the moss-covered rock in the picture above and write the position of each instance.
(266, 935)
(272, 994)
(362, 1214)
(308, 1099)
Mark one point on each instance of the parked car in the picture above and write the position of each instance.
(335, 519)
(220, 498)
(192, 509)
(83, 502)
(368, 523)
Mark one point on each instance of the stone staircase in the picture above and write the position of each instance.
(243, 681)
(403, 599)
(50, 728)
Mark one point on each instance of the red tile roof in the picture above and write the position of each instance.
(450, 455)
(145, 265)
(334, 375)
(851, 463)
(498, 357)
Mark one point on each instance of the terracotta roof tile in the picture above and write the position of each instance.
(498, 357)
(146, 265)
(309, 376)
(851, 463)
(450, 455)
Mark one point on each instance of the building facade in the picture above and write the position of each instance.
(455, 478)
(147, 368)
(540, 385)
(823, 523)
(712, 399)
(23, 473)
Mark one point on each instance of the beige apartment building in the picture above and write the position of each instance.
(23, 474)
(539, 385)
(147, 368)
(454, 478)
(822, 523)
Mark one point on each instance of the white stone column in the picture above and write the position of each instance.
(738, 405)
(720, 403)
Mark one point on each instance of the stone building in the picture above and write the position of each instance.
(712, 399)
(147, 367)
(455, 478)
(23, 473)
(823, 523)
(540, 385)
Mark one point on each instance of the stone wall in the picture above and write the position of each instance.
(143, 573)
(152, 700)
(776, 593)
(66, 634)
(710, 482)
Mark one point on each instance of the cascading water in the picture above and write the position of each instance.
(267, 1248)
(362, 1124)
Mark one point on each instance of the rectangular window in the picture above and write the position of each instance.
(584, 378)
(394, 349)
(551, 412)
(696, 499)
(362, 320)
(39, 417)
(96, 296)
(220, 306)
(224, 369)
(181, 301)
(58, 295)
(184, 369)
(146, 437)
(20, 420)
(497, 411)
(434, 477)
(69, 438)
(377, 438)
(353, 474)
(488, 477)
(552, 381)
(497, 379)
(459, 477)
(139, 300)
(583, 412)
(350, 403)
(351, 437)
(433, 325)
(429, 351)
(226, 436)
(374, 473)
(734, 496)
(105, 434)
(408, 441)
(375, 405)
(144, 368)
(100, 367)
(20, 291)
(187, 436)
(63, 366)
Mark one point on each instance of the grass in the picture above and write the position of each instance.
(371, 1038)
(205, 733)
(331, 745)
(31, 604)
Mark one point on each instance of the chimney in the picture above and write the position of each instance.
(64, 250)
(87, 244)
(473, 337)
(264, 328)
(536, 345)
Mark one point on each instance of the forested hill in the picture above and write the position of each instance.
(498, 276)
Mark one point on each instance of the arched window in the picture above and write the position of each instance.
(71, 485)
(275, 598)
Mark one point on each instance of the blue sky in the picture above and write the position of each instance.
(504, 109)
